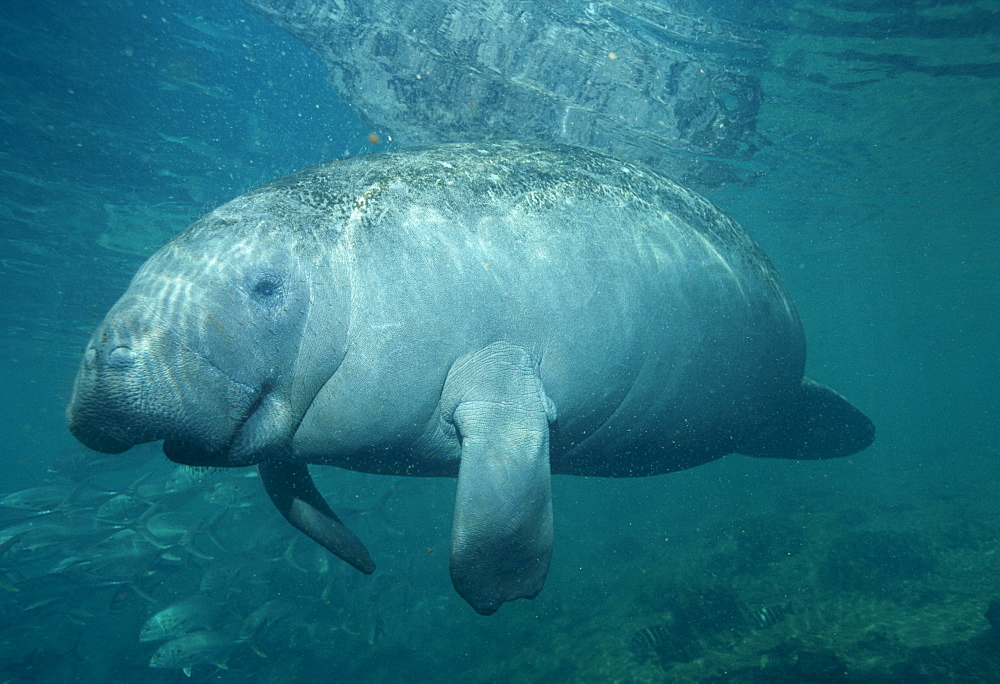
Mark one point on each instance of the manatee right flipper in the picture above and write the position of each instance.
(294, 494)
(817, 423)
(501, 540)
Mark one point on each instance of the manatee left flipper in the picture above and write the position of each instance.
(501, 539)
(294, 493)
(815, 423)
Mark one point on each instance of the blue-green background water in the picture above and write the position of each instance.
(878, 199)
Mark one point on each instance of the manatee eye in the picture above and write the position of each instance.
(266, 288)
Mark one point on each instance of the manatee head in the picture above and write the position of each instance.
(224, 336)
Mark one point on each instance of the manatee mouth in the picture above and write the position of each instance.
(186, 453)
(100, 440)
(264, 430)
(97, 431)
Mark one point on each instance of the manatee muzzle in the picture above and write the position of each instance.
(94, 411)
(132, 390)
(102, 440)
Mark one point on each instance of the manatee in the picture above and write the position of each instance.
(492, 312)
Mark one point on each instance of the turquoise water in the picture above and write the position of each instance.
(876, 196)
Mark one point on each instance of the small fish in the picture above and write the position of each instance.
(259, 622)
(769, 616)
(651, 639)
(231, 493)
(190, 650)
(43, 499)
(181, 479)
(264, 616)
(6, 584)
(122, 509)
(11, 540)
(123, 545)
(126, 595)
(194, 613)
(234, 574)
(78, 465)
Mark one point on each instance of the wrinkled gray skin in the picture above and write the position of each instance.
(492, 312)
(664, 82)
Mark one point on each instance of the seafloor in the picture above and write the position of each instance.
(662, 579)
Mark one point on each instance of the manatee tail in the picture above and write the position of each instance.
(817, 423)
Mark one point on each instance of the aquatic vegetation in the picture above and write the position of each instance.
(696, 617)
(870, 560)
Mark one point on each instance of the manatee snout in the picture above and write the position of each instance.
(126, 390)
(111, 347)
(94, 414)
(93, 435)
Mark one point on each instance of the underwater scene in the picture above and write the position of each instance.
(856, 142)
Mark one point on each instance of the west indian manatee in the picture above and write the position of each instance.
(491, 312)
(670, 83)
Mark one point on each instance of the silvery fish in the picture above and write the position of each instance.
(197, 648)
(194, 613)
